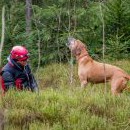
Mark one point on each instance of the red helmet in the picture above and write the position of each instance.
(19, 53)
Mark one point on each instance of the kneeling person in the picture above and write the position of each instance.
(17, 73)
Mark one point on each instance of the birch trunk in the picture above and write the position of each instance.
(3, 32)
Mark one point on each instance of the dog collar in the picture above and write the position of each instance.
(81, 56)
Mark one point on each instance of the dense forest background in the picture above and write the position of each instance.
(49, 23)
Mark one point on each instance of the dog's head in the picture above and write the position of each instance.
(76, 46)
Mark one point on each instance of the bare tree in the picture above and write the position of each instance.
(28, 15)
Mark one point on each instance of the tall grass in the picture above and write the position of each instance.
(64, 106)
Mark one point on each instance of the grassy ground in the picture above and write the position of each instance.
(64, 106)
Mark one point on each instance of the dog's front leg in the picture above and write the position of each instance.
(83, 80)
(84, 83)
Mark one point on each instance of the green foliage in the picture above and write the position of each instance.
(54, 21)
(117, 49)
(117, 17)
(117, 30)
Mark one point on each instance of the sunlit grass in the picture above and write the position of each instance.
(64, 106)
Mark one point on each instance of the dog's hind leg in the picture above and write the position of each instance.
(118, 85)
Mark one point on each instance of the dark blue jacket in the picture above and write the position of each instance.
(15, 75)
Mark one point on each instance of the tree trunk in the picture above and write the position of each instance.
(3, 32)
(28, 15)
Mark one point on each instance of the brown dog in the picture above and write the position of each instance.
(92, 71)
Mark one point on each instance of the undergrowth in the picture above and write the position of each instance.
(60, 105)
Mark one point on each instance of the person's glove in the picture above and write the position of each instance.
(18, 84)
